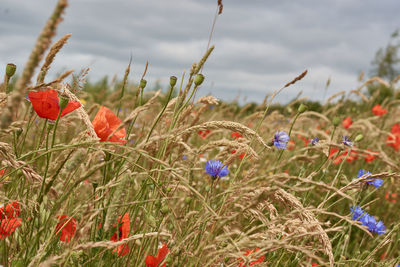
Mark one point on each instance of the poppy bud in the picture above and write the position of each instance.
(18, 132)
(63, 102)
(336, 121)
(151, 221)
(10, 70)
(172, 81)
(188, 200)
(198, 80)
(302, 108)
(143, 83)
(359, 138)
(164, 209)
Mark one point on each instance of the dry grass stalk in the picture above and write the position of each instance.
(55, 48)
(81, 111)
(298, 78)
(42, 44)
(334, 96)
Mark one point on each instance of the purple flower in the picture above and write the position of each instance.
(377, 183)
(281, 139)
(216, 169)
(357, 213)
(314, 141)
(367, 220)
(346, 141)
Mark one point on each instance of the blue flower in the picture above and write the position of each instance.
(281, 139)
(314, 141)
(377, 183)
(357, 213)
(367, 220)
(184, 157)
(373, 225)
(346, 141)
(216, 169)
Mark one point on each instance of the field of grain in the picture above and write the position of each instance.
(126, 176)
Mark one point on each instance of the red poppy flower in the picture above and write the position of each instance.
(204, 134)
(255, 262)
(10, 211)
(369, 157)
(122, 233)
(347, 122)
(3, 172)
(394, 139)
(391, 197)
(46, 104)
(152, 261)
(313, 264)
(241, 156)
(236, 135)
(378, 110)
(67, 228)
(8, 226)
(105, 123)
(305, 140)
(338, 159)
(291, 145)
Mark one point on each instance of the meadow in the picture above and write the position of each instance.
(117, 174)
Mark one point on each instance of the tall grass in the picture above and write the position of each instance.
(122, 200)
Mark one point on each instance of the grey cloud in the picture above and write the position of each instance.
(260, 44)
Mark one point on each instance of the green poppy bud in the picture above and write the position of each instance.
(143, 83)
(198, 80)
(336, 121)
(172, 81)
(63, 102)
(164, 209)
(302, 108)
(359, 138)
(188, 200)
(10, 70)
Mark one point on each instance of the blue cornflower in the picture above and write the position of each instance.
(373, 225)
(184, 157)
(357, 213)
(346, 141)
(281, 139)
(314, 141)
(367, 220)
(216, 169)
(377, 183)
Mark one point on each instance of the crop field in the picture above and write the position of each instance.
(117, 174)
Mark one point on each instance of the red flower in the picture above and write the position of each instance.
(11, 210)
(313, 264)
(152, 261)
(122, 233)
(291, 145)
(46, 104)
(257, 261)
(67, 228)
(394, 139)
(338, 159)
(203, 134)
(305, 140)
(9, 220)
(236, 135)
(347, 122)
(8, 226)
(369, 157)
(105, 123)
(378, 110)
(3, 172)
(391, 197)
(241, 156)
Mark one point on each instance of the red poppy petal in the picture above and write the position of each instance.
(72, 105)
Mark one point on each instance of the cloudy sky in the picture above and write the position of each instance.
(259, 44)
